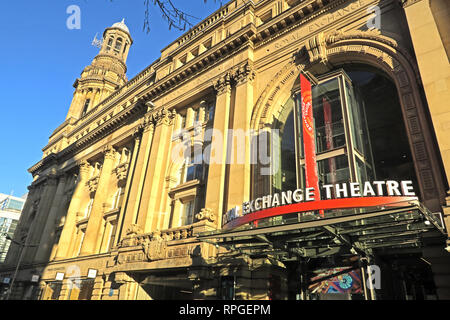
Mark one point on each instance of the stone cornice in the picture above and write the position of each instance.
(292, 18)
(407, 3)
(96, 134)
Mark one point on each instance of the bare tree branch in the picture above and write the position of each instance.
(175, 17)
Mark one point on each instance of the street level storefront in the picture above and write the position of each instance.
(344, 254)
(315, 162)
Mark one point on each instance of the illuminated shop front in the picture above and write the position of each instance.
(361, 236)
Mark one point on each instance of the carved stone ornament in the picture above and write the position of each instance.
(35, 205)
(206, 214)
(121, 171)
(84, 168)
(134, 230)
(244, 73)
(317, 49)
(109, 152)
(163, 116)
(92, 184)
(156, 249)
(223, 84)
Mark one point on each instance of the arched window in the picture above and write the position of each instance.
(110, 42)
(118, 45)
(87, 102)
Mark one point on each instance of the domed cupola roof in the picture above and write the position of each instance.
(121, 25)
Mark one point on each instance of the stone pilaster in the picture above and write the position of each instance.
(38, 224)
(81, 192)
(131, 171)
(215, 188)
(48, 234)
(239, 173)
(152, 195)
(132, 203)
(92, 234)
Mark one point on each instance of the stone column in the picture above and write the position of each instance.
(138, 178)
(39, 221)
(189, 117)
(48, 233)
(94, 225)
(80, 193)
(153, 195)
(239, 172)
(215, 188)
(131, 172)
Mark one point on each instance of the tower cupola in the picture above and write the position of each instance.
(105, 74)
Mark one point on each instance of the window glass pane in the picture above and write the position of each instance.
(211, 112)
(188, 213)
(227, 288)
(190, 174)
(56, 290)
(333, 170)
(118, 45)
(87, 286)
(15, 205)
(328, 119)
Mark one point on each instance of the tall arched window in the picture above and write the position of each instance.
(109, 44)
(118, 45)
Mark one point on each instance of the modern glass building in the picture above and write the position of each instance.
(10, 209)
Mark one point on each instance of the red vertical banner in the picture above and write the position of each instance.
(312, 180)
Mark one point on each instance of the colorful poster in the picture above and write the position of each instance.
(349, 282)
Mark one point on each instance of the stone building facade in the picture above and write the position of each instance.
(110, 215)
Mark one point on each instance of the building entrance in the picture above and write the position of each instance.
(351, 252)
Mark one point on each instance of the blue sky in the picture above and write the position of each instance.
(40, 58)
